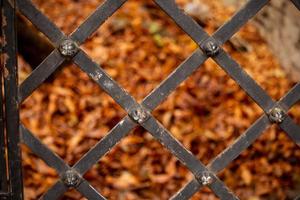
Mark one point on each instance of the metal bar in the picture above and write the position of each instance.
(296, 3)
(104, 145)
(241, 143)
(227, 156)
(291, 128)
(55, 59)
(234, 150)
(38, 148)
(173, 13)
(3, 163)
(180, 74)
(102, 13)
(111, 87)
(89, 192)
(187, 191)
(292, 97)
(224, 33)
(242, 16)
(173, 145)
(150, 102)
(11, 103)
(3, 174)
(184, 21)
(194, 30)
(55, 192)
(185, 156)
(52, 160)
(155, 97)
(127, 102)
(235, 71)
(40, 74)
(256, 93)
(158, 131)
(40, 21)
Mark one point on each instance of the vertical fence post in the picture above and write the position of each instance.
(3, 160)
(3, 172)
(10, 73)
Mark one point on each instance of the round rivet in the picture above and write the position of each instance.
(71, 178)
(211, 48)
(206, 179)
(277, 115)
(139, 115)
(68, 48)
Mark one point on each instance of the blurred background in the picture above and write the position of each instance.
(139, 46)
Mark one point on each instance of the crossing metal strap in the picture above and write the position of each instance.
(68, 48)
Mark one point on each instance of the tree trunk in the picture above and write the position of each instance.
(279, 24)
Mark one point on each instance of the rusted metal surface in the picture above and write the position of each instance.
(10, 77)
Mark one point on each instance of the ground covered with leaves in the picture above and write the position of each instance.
(139, 46)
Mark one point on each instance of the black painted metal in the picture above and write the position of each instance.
(68, 47)
(10, 75)
(3, 174)
(3, 169)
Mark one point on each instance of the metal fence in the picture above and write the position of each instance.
(12, 132)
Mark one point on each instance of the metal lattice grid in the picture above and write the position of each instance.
(68, 47)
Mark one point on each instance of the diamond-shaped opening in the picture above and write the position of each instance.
(38, 177)
(70, 113)
(138, 46)
(138, 167)
(33, 47)
(210, 14)
(267, 169)
(64, 13)
(207, 112)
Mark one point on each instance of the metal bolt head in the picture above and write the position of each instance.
(68, 48)
(139, 115)
(211, 48)
(206, 179)
(277, 115)
(71, 178)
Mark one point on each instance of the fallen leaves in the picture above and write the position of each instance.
(139, 46)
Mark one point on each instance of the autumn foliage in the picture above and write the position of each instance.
(139, 46)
